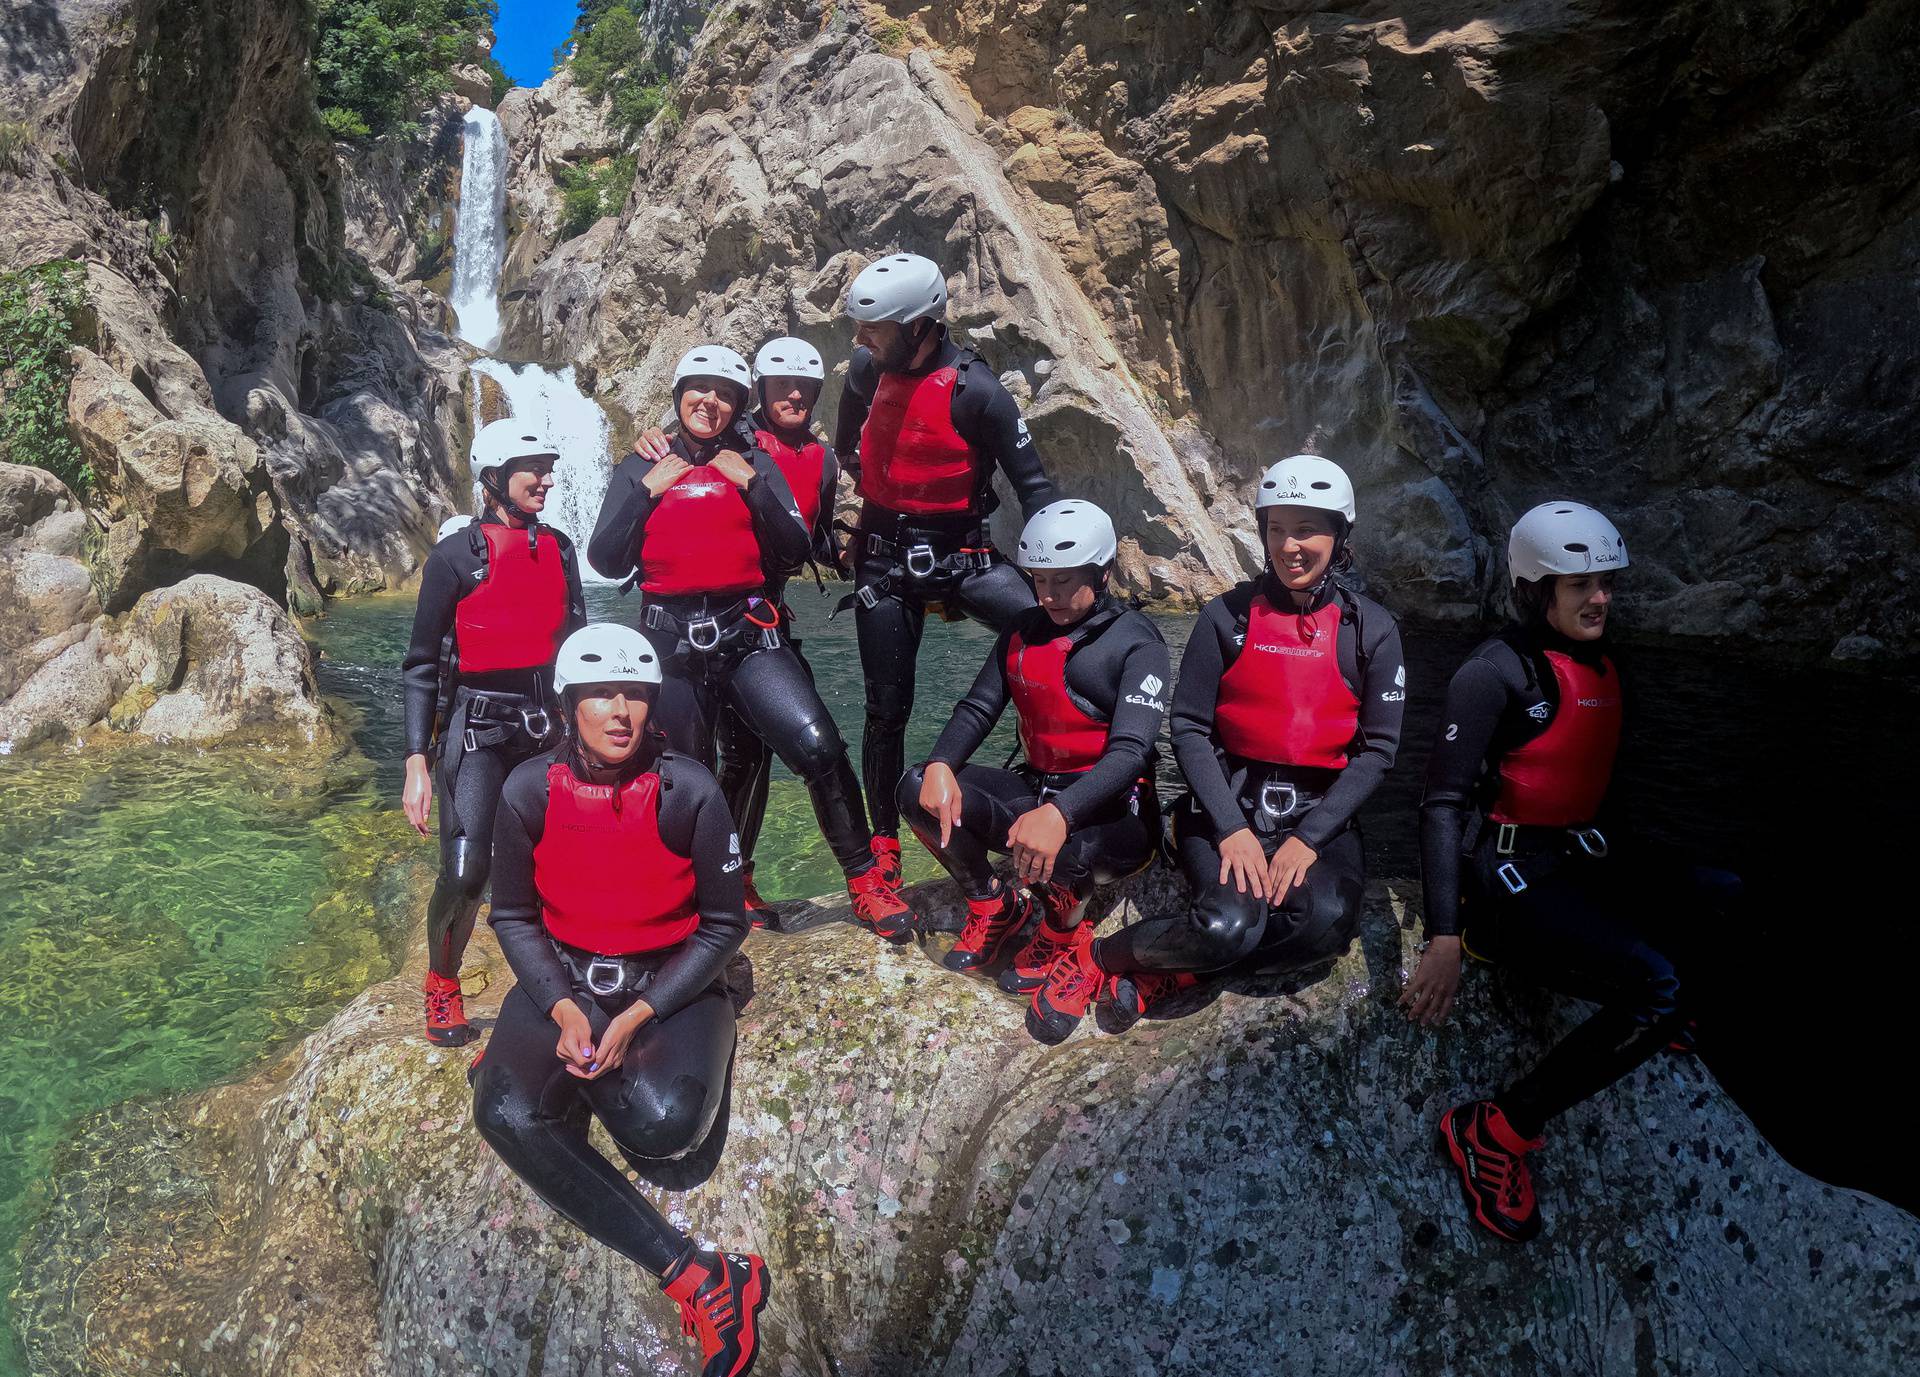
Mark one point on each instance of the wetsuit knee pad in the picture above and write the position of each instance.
(1226, 929)
(468, 865)
(664, 1127)
(816, 749)
(906, 796)
(503, 1118)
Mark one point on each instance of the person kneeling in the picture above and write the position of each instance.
(1085, 674)
(617, 901)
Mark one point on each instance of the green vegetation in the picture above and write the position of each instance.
(378, 63)
(38, 309)
(502, 83)
(612, 61)
(893, 36)
(15, 137)
(591, 192)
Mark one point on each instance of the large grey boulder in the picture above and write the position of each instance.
(1249, 1188)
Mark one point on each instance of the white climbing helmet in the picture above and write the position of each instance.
(1307, 480)
(788, 357)
(712, 361)
(452, 526)
(901, 287)
(1563, 538)
(605, 653)
(1067, 535)
(501, 442)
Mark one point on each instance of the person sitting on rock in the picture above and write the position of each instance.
(922, 425)
(1285, 719)
(788, 374)
(497, 594)
(617, 902)
(699, 530)
(1085, 674)
(1515, 845)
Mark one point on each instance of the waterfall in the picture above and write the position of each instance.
(550, 399)
(580, 434)
(480, 230)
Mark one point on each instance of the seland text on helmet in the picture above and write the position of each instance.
(1563, 538)
(1069, 534)
(605, 653)
(1307, 480)
(902, 287)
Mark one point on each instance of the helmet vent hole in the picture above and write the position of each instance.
(1321, 484)
(1577, 548)
(591, 658)
(1563, 511)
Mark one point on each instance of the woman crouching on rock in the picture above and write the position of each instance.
(1285, 718)
(1086, 675)
(617, 901)
(1516, 843)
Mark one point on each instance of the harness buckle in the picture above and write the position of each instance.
(1592, 841)
(703, 635)
(921, 561)
(1507, 840)
(1511, 877)
(1275, 790)
(471, 742)
(600, 981)
(528, 716)
(869, 596)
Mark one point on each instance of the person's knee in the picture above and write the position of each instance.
(815, 750)
(906, 796)
(665, 1124)
(1227, 930)
(468, 862)
(503, 1118)
(1656, 988)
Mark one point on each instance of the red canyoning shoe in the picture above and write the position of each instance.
(1132, 996)
(1491, 1158)
(1073, 983)
(1028, 971)
(758, 909)
(446, 1012)
(878, 907)
(721, 1296)
(886, 852)
(991, 925)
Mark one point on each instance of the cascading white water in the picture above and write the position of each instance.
(549, 399)
(480, 230)
(580, 434)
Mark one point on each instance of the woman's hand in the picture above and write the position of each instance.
(416, 795)
(613, 1043)
(940, 796)
(653, 444)
(575, 1047)
(664, 474)
(732, 465)
(1035, 840)
(1428, 998)
(1242, 857)
(1289, 867)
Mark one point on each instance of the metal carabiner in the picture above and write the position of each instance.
(1271, 791)
(928, 561)
(545, 729)
(600, 964)
(708, 627)
(1592, 841)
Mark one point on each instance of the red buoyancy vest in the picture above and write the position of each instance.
(802, 468)
(1558, 778)
(911, 458)
(1056, 735)
(513, 618)
(700, 538)
(1283, 700)
(607, 882)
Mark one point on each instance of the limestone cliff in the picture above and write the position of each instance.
(1249, 1188)
(1659, 256)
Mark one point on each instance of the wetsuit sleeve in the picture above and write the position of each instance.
(420, 671)
(1476, 700)
(515, 916)
(1382, 705)
(614, 550)
(856, 399)
(576, 592)
(777, 523)
(1135, 723)
(1195, 697)
(988, 419)
(824, 551)
(974, 715)
(694, 821)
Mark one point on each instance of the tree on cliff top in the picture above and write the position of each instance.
(378, 63)
(612, 60)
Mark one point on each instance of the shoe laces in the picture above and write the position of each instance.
(984, 923)
(709, 1313)
(873, 897)
(445, 1006)
(1503, 1171)
(1046, 949)
(1074, 979)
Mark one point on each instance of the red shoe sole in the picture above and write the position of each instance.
(1493, 1224)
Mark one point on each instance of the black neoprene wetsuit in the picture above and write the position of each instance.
(1617, 929)
(1317, 919)
(467, 777)
(666, 1104)
(890, 625)
(1119, 673)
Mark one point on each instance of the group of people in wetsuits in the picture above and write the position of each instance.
(611, 780)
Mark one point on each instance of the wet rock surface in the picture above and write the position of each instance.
(1248, 1184)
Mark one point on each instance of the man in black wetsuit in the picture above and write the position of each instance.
(497, 596)
(1087, 677)
(922, 425)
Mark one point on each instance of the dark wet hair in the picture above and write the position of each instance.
(1531, 598)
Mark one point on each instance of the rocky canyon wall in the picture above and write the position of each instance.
(1658, 256)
